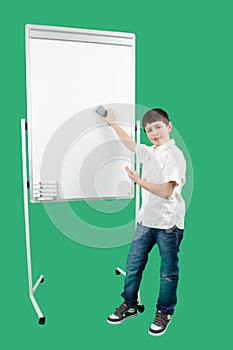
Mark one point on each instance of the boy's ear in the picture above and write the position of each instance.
(170, 126)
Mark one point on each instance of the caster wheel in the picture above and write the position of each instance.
(117, 272)
(42, 320)
(141, 308)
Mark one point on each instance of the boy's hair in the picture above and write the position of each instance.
(155, 115)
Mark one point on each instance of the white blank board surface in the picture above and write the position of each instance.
(69, 73)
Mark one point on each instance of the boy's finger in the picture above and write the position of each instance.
(128, 170)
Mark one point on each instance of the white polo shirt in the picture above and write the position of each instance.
(160, 165)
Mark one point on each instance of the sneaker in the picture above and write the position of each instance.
(122, 312)
(160, 324)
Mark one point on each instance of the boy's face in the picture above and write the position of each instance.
(158, 132)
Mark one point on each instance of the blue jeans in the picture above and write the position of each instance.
(168, 242)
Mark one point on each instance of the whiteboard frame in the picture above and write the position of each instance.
(76, 35)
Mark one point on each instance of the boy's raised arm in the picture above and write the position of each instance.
(123, 136)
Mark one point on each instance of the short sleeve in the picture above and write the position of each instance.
(174, 169)
(142, 152)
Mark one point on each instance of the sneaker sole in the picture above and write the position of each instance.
(159, 333)
(121, 321)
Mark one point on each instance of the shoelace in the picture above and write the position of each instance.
(161, 319)
(122, 308)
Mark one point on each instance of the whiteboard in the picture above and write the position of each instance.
(73, 154)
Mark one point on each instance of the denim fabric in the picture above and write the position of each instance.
(168, 243)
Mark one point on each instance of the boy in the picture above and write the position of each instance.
(161, 217)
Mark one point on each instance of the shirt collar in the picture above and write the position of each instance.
(164, 145)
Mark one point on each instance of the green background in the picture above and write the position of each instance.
(184, 64)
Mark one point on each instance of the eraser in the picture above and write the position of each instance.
(101, 111)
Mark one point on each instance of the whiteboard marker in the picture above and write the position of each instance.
(46, 199)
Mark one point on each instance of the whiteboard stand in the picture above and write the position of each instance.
(118, 270)
(32, 288)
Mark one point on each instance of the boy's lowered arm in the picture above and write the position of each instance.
(123, 136)
(163, 190)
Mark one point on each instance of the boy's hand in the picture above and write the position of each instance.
(110, 119)
(133, 174)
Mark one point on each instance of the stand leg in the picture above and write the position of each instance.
(27, 229)
(141, 307)
(137, 189)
